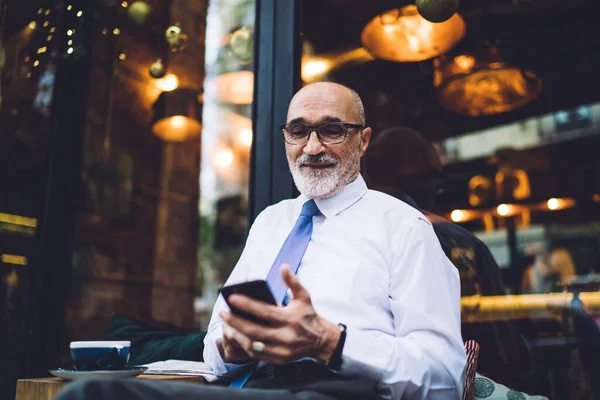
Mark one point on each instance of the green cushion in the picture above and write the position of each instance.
(487, 389)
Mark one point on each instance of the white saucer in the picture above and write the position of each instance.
(72, 374)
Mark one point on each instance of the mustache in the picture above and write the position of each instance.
(315, 159)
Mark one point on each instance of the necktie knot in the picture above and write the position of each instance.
(309, 209)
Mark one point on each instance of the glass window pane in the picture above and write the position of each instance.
(496, 149)
(160, 208)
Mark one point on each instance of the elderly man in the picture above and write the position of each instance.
(369, 304)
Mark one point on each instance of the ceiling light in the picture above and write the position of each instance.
(177, 115)
(457, 215)
(474, 85)
(403, 35)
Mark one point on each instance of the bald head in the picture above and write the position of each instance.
(339, 101)
(321, 166)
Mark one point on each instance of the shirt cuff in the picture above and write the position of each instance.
(226, 369)
(362, 347)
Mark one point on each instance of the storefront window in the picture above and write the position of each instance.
(157, 216)
(492, 138)
(227, 139)
(28, 62)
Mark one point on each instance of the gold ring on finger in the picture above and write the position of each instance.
(258, 347)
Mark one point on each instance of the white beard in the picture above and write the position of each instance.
(321, 184)
(316, 184)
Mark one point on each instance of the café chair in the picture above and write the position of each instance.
(472, 350)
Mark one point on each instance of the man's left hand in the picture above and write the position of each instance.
(293, 332)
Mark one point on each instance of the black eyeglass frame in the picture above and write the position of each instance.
(315, 128)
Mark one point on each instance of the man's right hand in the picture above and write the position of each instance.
(233, 344)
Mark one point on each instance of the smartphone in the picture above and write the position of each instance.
(257, 290)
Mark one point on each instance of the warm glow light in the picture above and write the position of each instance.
(596, 198)
(53, 29)
(46, 23)
(32, 25)
(47, 12)
(125, 4)
(13, 259)
(464, 62)
(224, 158)
(122, 56)
(69, 7)
(484, 85)
(27, 59)
(553, 204)
(42, 50)
(70, 32)
(70, 42)
(177, 129)
(104, 31)
(177, 121)
(169, 83)
(49, 38)
(41, 10)
(18, 220)
(79, 13)
(457, 215)
(70, 50)
(245, 137)
(313, 69)
(503, 209)
(116, 31)
(403, 35)
(36, 63)
(235, 87)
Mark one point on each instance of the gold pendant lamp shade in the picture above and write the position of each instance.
(233, 76)
(472, 85)
(403, 35)
(177, 116)
(236, 87)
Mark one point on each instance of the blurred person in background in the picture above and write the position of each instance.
(404, 164)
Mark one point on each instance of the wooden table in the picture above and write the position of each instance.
(48, 388)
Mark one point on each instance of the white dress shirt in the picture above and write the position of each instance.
(374, 264)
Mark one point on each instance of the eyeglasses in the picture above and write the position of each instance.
(328, 132)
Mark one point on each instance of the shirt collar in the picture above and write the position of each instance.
(343, 199)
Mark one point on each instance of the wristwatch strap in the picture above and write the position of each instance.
(335, 362)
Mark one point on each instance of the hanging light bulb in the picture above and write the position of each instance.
(169, 83)
(224, 158)
(313, 69)
(157, 69)
(175, 38)
(457, 215)
(244, 137)
(503, 209)
(139, 11)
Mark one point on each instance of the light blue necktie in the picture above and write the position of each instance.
(291, 253)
